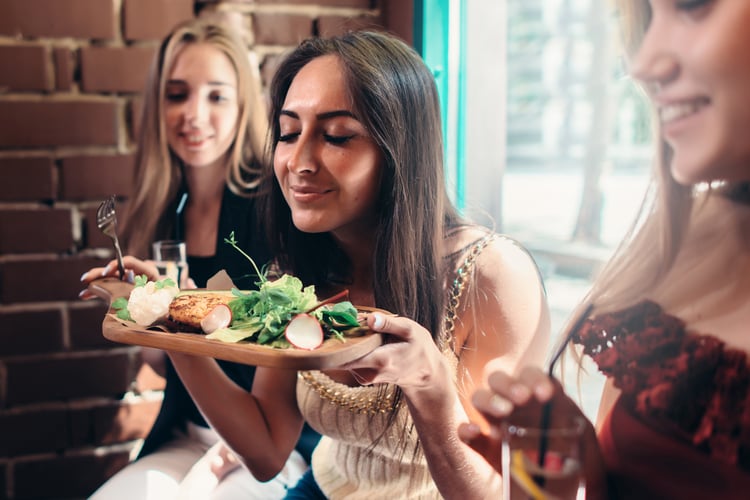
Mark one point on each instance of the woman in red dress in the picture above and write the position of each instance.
(668, 320)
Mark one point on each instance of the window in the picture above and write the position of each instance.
(546, 138)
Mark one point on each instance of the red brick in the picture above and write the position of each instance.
(33, 431)
(30, 332)
(55, 123)
(356, 4)
(234, 19)
(27, 179)
(92, 236)
(135, 108)
(113, 421)
(96, 177)
(124, 421)
(23, 67)
(58, 18)
(85, 320)
(54, 278)
(43, 230)
(281, 29)
(65, 476)
(337, 25)
(398, 18)
(115, 69)
(153, 19)
(63, 59)
(38, 380)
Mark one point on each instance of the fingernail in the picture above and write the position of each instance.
(82, 293)
(471, 430)
(378, 322)
(83, 276)
(105, 271)
(519, 393)
(542, 392)
(130, 276)
(500, 406)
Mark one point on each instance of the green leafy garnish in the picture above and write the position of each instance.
(142, 280)
(262, 315)
(233, 243)
(120, 304)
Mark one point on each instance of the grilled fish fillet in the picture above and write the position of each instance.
(188, 309)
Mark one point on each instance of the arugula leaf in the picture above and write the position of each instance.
(342, 314)
(166, 282)
(262, 315)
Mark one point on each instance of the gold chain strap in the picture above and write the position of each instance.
(459, 283)
(384, 403)
(361, 405)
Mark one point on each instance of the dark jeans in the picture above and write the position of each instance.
(305, 489)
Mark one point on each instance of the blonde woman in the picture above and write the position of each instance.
(201, 139)
(670, 315)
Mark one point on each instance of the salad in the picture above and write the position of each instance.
(283, 313)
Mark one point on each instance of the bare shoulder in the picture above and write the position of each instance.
(505, 314)
(498, 258)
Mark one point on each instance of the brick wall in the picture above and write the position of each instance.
(74, 406)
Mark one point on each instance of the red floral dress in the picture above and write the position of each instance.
(681, 393)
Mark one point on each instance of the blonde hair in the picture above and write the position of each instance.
(159, 172)
(669, 220)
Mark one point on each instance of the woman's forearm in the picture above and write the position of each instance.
(243, 420)
(457, 470)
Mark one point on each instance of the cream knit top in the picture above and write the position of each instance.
(350, 462)
(357, 458)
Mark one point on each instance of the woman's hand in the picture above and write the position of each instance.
(222, 460)
(520, 400)
(408, 357)
(133, 267)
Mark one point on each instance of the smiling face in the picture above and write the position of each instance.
(327, 165)
(693, 61)
(201, 105)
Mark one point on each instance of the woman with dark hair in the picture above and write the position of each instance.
(668, 319)
(358, 202)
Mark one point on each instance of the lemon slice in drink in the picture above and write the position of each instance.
(519, 472)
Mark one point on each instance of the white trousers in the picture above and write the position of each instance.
(180, 470)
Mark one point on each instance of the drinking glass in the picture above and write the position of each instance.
(559, 476)
(170, 257)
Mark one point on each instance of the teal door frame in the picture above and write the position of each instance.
(439, 36)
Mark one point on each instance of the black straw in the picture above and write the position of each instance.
(178, 217)
(547, 408)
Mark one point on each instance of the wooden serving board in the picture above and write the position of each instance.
(331, 354)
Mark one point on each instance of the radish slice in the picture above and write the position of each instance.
(304, 332)
(219, 317)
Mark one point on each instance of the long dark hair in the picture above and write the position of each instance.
(395, 98)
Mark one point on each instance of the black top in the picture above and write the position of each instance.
(237, 214)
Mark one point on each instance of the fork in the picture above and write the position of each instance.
(106, 221)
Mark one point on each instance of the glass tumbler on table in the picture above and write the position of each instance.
(543, 463)
(170, 257)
